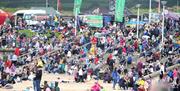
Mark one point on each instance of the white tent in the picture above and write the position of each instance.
(30, 12)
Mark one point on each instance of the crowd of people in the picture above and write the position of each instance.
(128, 58)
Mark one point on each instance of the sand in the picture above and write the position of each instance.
(71, 86)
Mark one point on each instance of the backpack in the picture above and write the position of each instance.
(129, 60)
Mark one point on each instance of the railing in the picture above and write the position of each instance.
(155, 74)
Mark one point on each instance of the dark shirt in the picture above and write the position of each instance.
(38, 75)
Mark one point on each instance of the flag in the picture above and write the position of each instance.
(77, 6)
(79, 9)
(119, 10)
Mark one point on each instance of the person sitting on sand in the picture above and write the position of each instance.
(96, 87)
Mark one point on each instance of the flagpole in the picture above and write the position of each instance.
(159, 6)
(163, 3)
(177, 6)
(46, 3)
(15, 21)
(77, 6)
(138, 23)
(75, 19)
(57, 6)
(138, 6)
(76, 24)
(150, 10)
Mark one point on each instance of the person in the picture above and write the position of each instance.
(56, 87)
(129, 60)
(162, 68)
(115, 77)
(96, 87)
(81, 79)
(140, 67)
(76, 77)
(175, 74)
(37, 79)
(123, 83)
(141, 84)
(46, 86)
(107, 77)
(110, 62)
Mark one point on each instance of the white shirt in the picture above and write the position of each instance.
(151, 70)
(14, 44)
(69, 54)
(14, 58)
(28, 59)
(80, 72)
(48, 47)
(103, 40)
(162, 68)
(37, 45)
(66, 68)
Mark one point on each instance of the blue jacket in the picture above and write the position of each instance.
(115, 75)
(170, 74)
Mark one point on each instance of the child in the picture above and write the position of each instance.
(56, 87)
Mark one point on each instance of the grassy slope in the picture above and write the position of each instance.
(30, 33)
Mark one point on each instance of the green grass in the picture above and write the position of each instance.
(70, 12)
(12, 10)
(30, 33)
(142, 11)
(176, 9)
(49, 33)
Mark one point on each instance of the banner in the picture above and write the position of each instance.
(92, 20)
(119, 10)
(77, 6)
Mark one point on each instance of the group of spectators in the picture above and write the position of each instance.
(124, 58)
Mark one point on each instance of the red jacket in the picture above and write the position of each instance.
(124, 50)
(94, 40)
(8, 63)
(17, 52)
(96, 60)
(136, 45)
(110, 56)
(96, 87)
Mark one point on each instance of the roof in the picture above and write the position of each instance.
(30, 12)
(49, 10)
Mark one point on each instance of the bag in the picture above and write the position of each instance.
(40, 63)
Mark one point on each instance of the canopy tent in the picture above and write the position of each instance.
(134, 23)
(49, 10)
(3, 16)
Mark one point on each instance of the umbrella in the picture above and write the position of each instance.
(3, 17)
